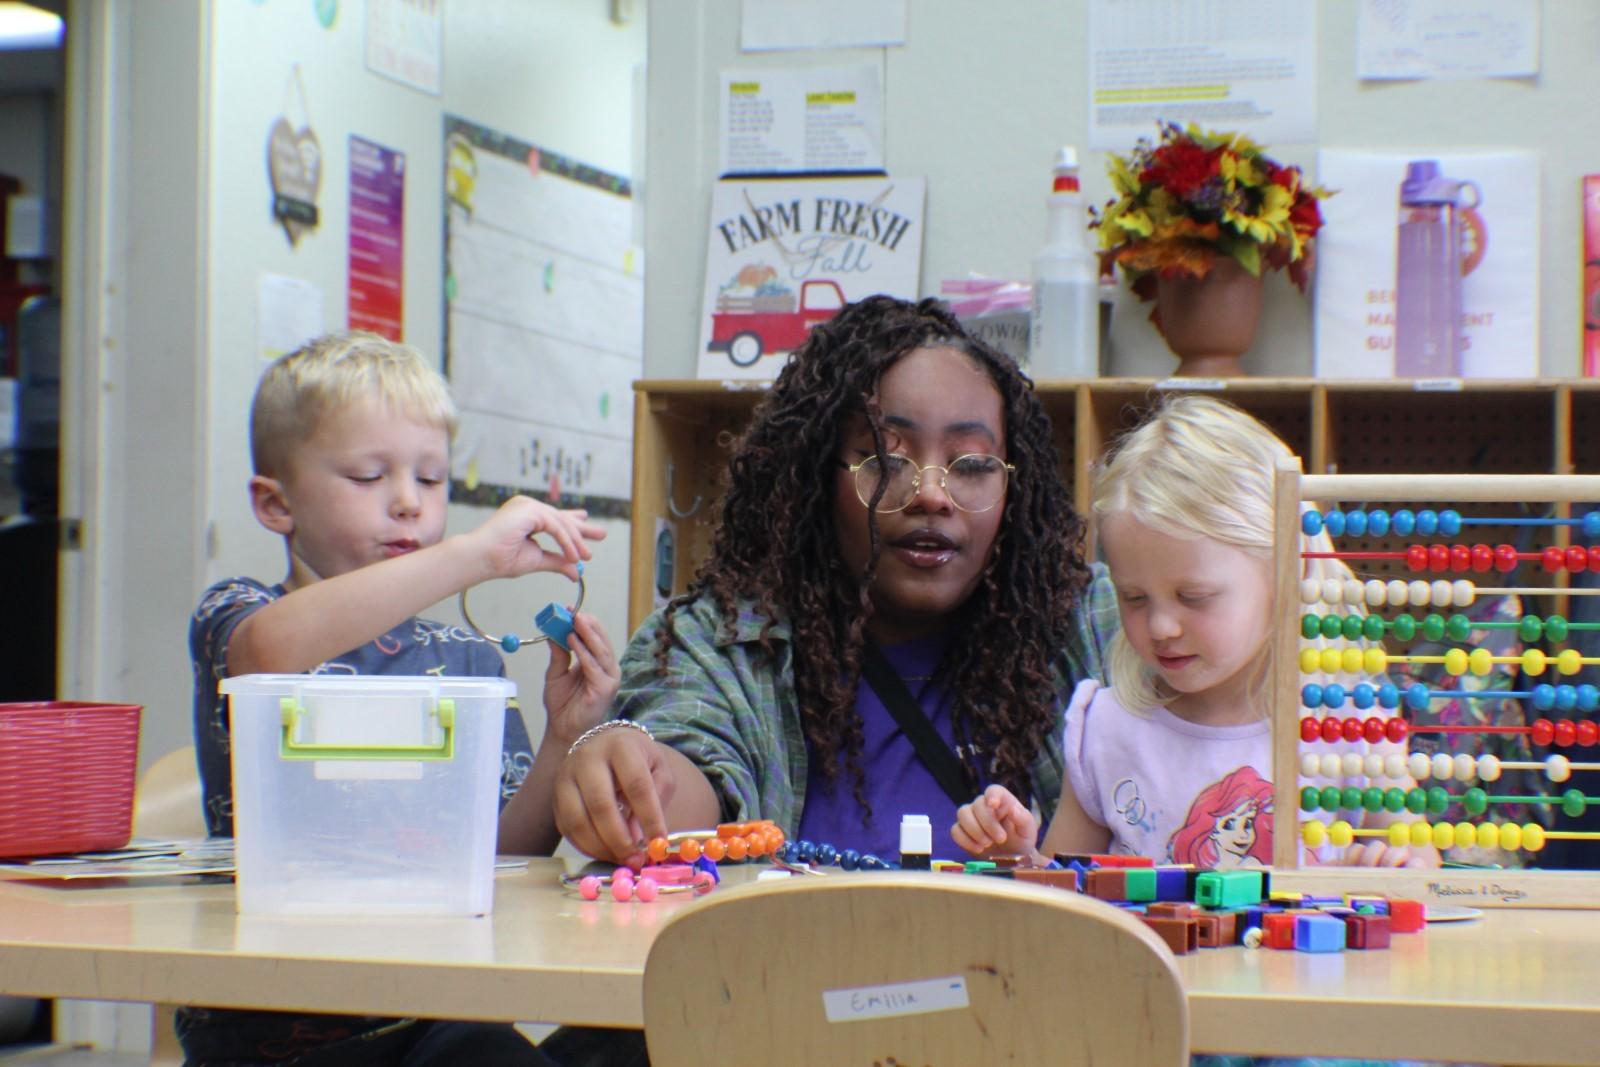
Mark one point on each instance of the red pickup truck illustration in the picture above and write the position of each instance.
(745, 327)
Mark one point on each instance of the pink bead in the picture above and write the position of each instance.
(704, 883)
(589, 887)
(621, 889)
(645, 889)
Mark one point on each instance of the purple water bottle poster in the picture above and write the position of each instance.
(377, 238)
(1489, 202)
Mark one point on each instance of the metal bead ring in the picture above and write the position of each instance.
(511, 642)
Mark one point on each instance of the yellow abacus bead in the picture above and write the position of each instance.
(1350, 660)
(1455, 661)
(1374, 661)
(1340, 834)
(1330, 660)
(1532, 836)
(1510, 836)
(1569, 661)
(1444, 835)
(1399, 835)
(1310, 660)
(1488, 835)
(1466, 834)
(1313, 833)
(1421, 834)
(1533, 662)
(1481, 661)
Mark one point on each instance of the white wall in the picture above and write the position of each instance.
(983, 94)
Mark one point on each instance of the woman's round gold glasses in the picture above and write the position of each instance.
(973, 482)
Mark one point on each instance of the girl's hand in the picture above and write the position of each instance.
(1382, 854)
(611, 795)
(579, 685)
(508, 545)
(996, 823)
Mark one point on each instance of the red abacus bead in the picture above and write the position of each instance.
(1417, 558)
(1552, 559)
(1372, 729)
(1310, 728)
(1460, 558)
(1577, 559)
(1594, 557)
(1482, 558)
(1332, 728)
(1505, 558)
(1438, 557)
(1352, 729)
(1395, 729)
(1566, 732)
(1588, 733)
(1542, 731)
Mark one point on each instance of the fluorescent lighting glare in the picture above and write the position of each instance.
(25, 26)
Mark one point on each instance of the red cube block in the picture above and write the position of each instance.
(1366, 931)
(1406, 916)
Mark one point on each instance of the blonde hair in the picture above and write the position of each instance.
(1198, 468)
(325, 376)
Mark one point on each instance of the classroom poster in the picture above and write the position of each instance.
(405, 41)
(812, 119)
(783, 255)
(377, 238)
(544, 323)
(1438, 39)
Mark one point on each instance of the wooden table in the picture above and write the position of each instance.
(1515, 987)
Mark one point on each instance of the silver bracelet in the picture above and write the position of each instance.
(610, 724)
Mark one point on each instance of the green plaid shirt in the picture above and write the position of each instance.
(732, 710)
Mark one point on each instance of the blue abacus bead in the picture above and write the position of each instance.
(1378, 523)
(1363, 696)
(1333, 696)
(1388, 695)
(1544, 696)
(1404, 523)
(511, 642)
(1588, 698)
(849, 859)
(1566, 698)
(1355, 523)
(1334, 521)
(1591, 525)
(1427, 522)
(803, 851)
(1417, 697)
(825, 855)
(1311, 695)
(1310, 523)
(1449, 522)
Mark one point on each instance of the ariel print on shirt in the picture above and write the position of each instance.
(1228, 825)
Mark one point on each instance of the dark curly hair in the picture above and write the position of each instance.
(776, 546)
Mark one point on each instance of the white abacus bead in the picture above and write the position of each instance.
(1557, 768)
(1488, 768)
(1465, 766)
(1377, 593)
(1331, 765)
(1394, 765)
(1333, 591)
(1310, 591)
(1310, 765)
(1354, 591)
(1465, 593)
(1419, 766)
(1372, 766)
(1399, 592)
(1444, 766)
(1352, 764)
(1420, 591)
(1441, 593)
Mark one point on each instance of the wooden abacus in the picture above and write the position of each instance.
(1356, 650)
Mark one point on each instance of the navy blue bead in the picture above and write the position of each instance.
(803, 851)
(849, 859)
(826, 854)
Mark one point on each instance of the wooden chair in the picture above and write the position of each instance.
(166, 803)
(916, 970)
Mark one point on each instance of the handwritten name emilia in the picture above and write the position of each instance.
(828, 216)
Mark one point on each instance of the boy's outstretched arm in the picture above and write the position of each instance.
(331, 616)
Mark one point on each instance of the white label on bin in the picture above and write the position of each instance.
(899, 998)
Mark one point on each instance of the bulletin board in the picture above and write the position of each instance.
(544, 313)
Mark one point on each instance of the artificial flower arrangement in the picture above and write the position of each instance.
(1196, 195)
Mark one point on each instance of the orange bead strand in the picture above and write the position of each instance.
(733, 840)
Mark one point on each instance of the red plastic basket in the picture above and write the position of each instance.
(66, 776)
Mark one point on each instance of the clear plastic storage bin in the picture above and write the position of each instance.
(366, 794)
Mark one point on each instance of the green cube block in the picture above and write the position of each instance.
(1141, 884)
(1227, 889)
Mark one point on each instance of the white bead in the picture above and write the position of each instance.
(1394, 765)
(1310, 591)
(1488, 768)
(1444, 766)
(1373, 765)
(1333, 591)
(1557, 768)
(1377, 593)
(1399, 592)
(1330, 765)
(1465, 592)
(1420, 591)
(1310, 765)
(1441, 593)
(1465, 765)
(1352, 764)
(1354, 591)
(1420, 766)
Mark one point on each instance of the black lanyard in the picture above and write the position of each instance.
(931, 749)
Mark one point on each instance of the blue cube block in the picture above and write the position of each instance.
(555, 622)
(1319, 933)
(1172, 883)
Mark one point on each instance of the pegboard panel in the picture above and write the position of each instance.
(1586, 431)
(1285, 406)
(1474, 431)
(1061, 404)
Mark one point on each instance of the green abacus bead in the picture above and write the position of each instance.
(1433, 626)
(1475, 800)
(1331, 626)
(1372, 628)
(1372, 799)
(1438, 800)
(1352, 627)
(1349, 798)
(1310, 798)
(1330, 798)
(1394, 799)
(1416, 801)
(1573, 802)
(1555, 628)
(1530, 628)
(1404, 626)
(1458, 627)
(1310, 627)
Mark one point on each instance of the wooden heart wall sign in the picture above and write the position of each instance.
(294, 167)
